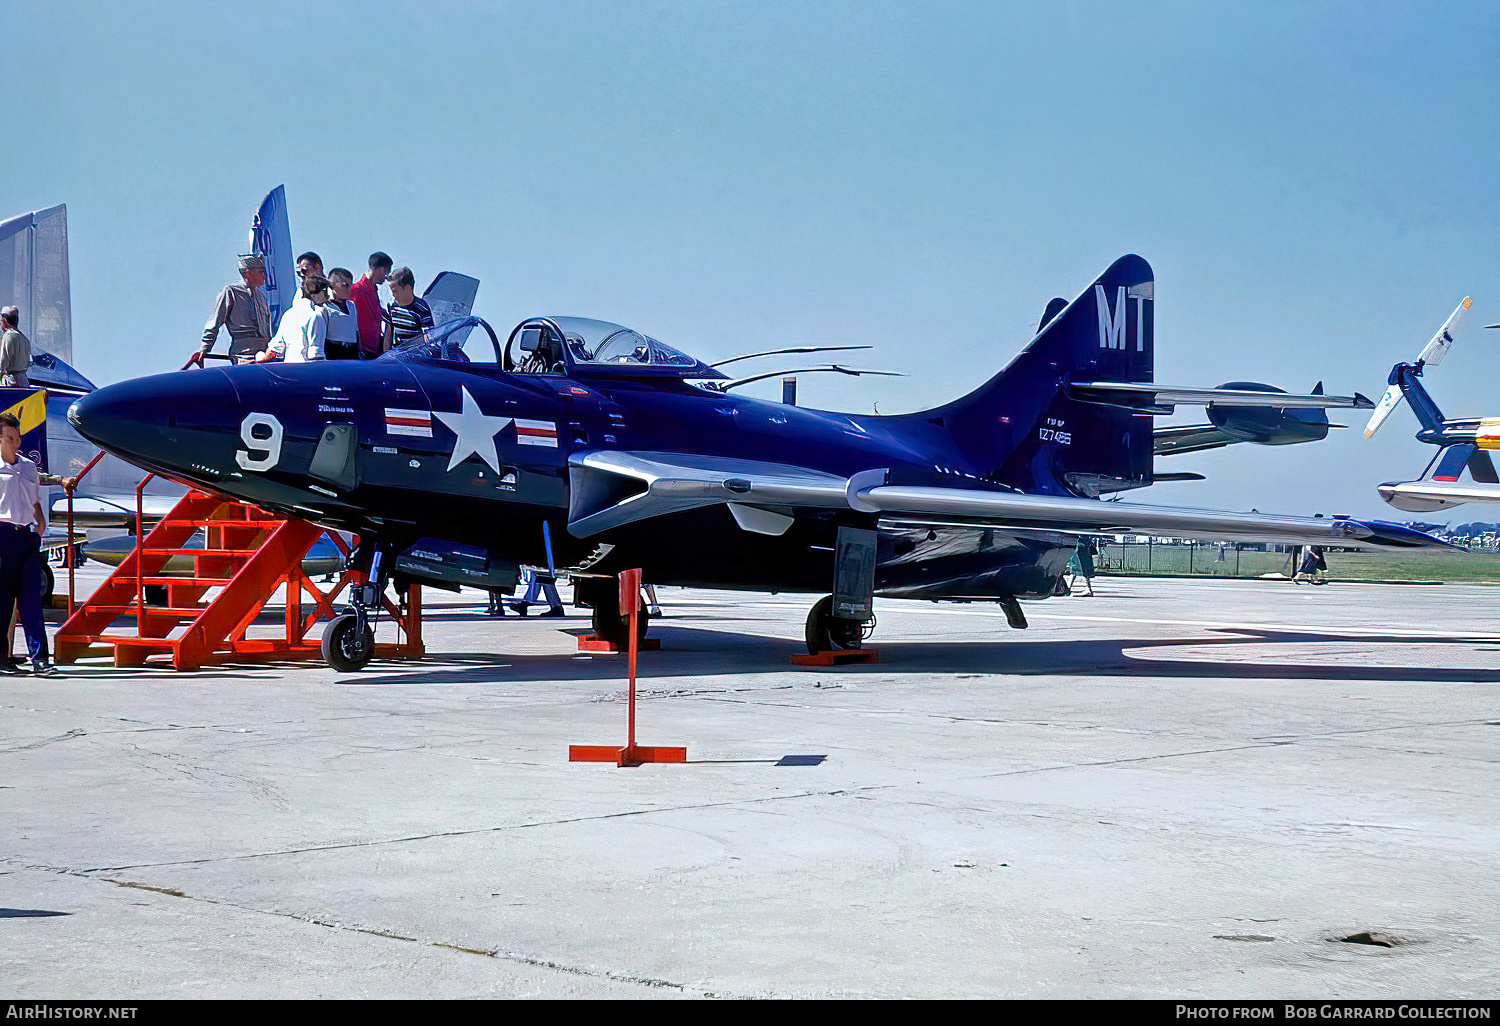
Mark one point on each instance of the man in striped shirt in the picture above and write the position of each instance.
(408, 314)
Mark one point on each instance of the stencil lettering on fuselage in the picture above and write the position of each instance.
(1114, 324)
(262, 434)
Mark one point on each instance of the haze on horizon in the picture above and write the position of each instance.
(1313, 183)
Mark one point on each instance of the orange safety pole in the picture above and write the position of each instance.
(632, 754)
(630, 595)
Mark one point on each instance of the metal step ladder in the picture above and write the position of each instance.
(248, 556)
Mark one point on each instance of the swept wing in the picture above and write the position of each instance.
(611, 489)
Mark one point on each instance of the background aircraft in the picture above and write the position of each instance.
(590, 447)
(1463, 443)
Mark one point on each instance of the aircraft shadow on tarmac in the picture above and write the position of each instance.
(29, 913)
(694, 652)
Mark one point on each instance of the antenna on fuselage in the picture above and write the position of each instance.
(784, 352)
(832, 368)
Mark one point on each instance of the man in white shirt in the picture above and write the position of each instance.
(342, 315)
(303, 329)
(22, 524)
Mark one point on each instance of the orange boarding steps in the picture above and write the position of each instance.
(249, 555)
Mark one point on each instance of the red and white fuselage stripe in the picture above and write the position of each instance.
(536, 432)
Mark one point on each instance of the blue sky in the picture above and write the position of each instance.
(1314, 183)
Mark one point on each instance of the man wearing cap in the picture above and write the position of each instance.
(245, 311)
(15, 349)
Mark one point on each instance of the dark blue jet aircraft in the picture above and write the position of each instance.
(592, 448)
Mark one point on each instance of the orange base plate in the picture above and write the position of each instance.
(839, 658)
(595, 645)
(626, 756)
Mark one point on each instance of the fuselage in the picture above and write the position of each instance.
(472, 454)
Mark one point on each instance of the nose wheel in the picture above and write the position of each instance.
(828, 633)
(348, 643)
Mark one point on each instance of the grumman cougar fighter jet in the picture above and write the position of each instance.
(593, 448)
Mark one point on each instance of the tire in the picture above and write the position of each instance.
(828, 633)
(49, 585)
(609, 625)
(156, 594)
(342, 648)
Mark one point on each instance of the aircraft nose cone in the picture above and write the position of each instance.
(165, 422)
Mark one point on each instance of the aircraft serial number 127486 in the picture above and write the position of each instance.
(591, 447)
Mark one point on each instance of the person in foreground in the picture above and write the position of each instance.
(22, 524)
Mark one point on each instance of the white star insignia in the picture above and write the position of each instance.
(476, 432)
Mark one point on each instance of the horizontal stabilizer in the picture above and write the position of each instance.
(1184, 438)
(1164, 396)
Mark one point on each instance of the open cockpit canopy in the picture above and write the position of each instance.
(584, 347)
(573, 346)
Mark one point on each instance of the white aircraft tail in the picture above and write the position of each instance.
(1431, 355)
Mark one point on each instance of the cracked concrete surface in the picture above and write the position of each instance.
(1177, 788)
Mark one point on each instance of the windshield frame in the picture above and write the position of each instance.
(433, 345)
(580, 338)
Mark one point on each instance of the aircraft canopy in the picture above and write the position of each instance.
(591, 341)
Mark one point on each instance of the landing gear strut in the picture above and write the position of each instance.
(828, 633)
(349, 639)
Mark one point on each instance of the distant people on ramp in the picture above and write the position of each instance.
(243, 309)
(539, 582)
(303, 329)
(408, 315)
(1313, 568)
(366, 297)
(15, 349)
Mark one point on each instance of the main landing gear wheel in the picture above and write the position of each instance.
(829, 633)
(345, 647)
(612, 627)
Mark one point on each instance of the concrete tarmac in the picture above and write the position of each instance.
(1172, 789)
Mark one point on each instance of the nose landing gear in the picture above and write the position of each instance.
(349, 639)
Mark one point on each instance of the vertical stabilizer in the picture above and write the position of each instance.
(1023, 429)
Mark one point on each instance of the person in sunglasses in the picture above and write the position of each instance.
(309, 263)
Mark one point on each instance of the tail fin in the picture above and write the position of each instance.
(1023, 429)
